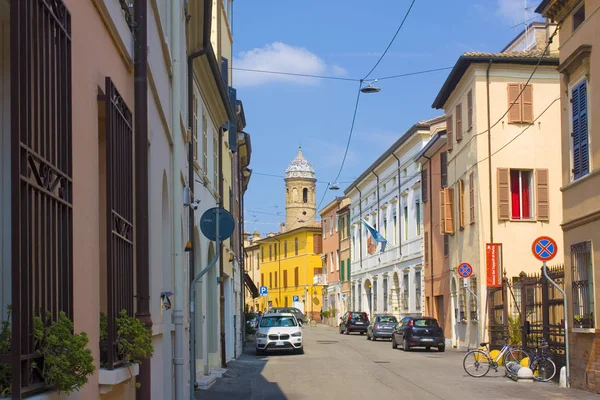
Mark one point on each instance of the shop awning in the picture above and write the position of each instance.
(250, 285)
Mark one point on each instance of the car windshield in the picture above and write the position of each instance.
(429, 323)
(358, 317)
(277, 321)
(387, 318)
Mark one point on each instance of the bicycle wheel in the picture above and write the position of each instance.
(476, 363)
(543, 369)
(519, 356)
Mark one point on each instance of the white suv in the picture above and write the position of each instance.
(278, 332)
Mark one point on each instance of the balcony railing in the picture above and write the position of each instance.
(320, 279)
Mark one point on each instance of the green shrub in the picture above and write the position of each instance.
(67, 362)
(514, 330)
(325, 314)
(5, 369)
(134, 340)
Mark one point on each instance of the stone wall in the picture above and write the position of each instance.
(585, 361)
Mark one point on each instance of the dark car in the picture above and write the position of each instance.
(382, 326)
(418, 332)
(292, 310)
(354, 321)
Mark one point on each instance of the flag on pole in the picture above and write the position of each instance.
(374, 239)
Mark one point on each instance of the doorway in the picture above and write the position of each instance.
(5, 160)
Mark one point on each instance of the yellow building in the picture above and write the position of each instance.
(290, 268)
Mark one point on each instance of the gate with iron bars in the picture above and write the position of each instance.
(542, 313)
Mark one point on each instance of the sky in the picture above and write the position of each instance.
(345, 38)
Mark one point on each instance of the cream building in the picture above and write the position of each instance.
(522, 200)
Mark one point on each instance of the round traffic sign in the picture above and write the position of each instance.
(544, 248)
(465, 270)
(214, 216)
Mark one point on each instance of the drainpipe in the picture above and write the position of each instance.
(221, 286)
(190, 96)
(378, 221)
(177, 203)
(489, 134)
(142, 247)
(399, 213)
(360, 225)
(430, 188)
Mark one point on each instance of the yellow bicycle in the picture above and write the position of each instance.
(477, 363)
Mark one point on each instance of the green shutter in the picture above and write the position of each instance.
(348, 269)
(348, 223)
(342, 268)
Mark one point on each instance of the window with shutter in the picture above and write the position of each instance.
(527, 103)
(459, 127)
(449, 210)
(426, 248)
(580, 130)
(317, 244)
(461, 204)
(449, 133)
(472, 197)
(542, 195)
(442, 209)
(296, 276)
(514, 102)
(424, 186)
(503, 194)
(285, 282)
(342, 271)
(444, 168)
(469, 110)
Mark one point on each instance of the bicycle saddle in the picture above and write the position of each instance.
(484, 344)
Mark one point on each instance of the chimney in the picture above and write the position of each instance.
(282, 227)
(553, 48)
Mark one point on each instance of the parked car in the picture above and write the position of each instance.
(354, 321)
(278, 332)
(418, 332)
(381, 326)
(293, 310)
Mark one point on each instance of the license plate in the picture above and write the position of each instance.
(358, 323)
(278, 343)
(427, 340)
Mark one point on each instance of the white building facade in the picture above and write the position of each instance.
(388, 196)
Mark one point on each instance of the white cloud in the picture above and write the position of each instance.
(281, 57)
(325, 154)
(515, 12)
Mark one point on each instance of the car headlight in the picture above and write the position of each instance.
(296, 334)
(261, 335)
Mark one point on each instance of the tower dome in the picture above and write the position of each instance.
(300, 168)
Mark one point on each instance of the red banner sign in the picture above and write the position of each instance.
(493, 253)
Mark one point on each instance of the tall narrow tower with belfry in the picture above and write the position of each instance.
(300, 193)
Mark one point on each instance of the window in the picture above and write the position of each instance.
(424, 184)
(582, 276)
(462, 303)
(385, 294)
(195, 127)
(331, 225)
(405, 222)
(447, 211)
(461, 204)
(275, 250)
(296, 276)
(335, 223)
(446, 248)
(405, 291)
(296, 246)
(516, 288)
(472, 197)
(337, 260)
(459, 131)
(270, 279)
(578, 17)
(305, 195)
(317, 244)
(449, 133)
(257, 261)
(404, 172)
(324, 227)
(579, 134)
(262, 280)
(418, 216)
(418, 290)
(426, 248)
(285, 248)
(469, 110)
(520, 194)
(205, 142)
(444, 168)
(384, 187)
(216, 160)
(331, 262)
(520, 103)
(395, 225)
(473, 302)
(270, 252)
(262, 254)
(384, 231)
(342, 276)
(276, 280)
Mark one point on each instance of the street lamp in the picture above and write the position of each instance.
(370, 88)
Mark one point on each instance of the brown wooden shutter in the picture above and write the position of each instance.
(542, 195)
(426, 248)
(296, 276)
(317, 243)
(459, 127)
(449, 210)
(449, 127)
(527, 102)
(461, 203)
(503, 194)
(424, 186)
(285, 282)
(472, 196)
(514, 114)
(469, 110)
(442, 209)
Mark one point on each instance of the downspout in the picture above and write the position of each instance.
(399, 208)
(142, 247)
(378, 217)
(221, 286)
(430, 188)
(190, 159)
(177, 204)
(489, 137)
(360, 225)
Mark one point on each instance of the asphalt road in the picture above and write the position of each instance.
(350, 367)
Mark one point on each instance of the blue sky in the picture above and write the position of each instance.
(344, 38)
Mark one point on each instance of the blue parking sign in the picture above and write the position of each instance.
(263, 290)
(296, 298)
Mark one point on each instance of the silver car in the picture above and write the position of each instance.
(278, 332)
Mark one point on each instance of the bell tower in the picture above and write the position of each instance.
(300, 193)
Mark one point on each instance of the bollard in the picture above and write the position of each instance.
(525, 375)
(562, 382)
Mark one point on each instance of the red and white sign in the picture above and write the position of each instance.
(493, 262)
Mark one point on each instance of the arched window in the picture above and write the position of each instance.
(305, 195)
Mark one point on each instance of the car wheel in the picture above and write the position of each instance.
(260, 352)
(362, 333)
(441, 349)
(427, 348)
(405, 345)
(394, 344)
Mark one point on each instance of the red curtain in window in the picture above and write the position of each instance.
(525, 194)
(515, 194)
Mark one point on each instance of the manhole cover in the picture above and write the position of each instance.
(381, 362)
(434, 357)
(327, 341)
